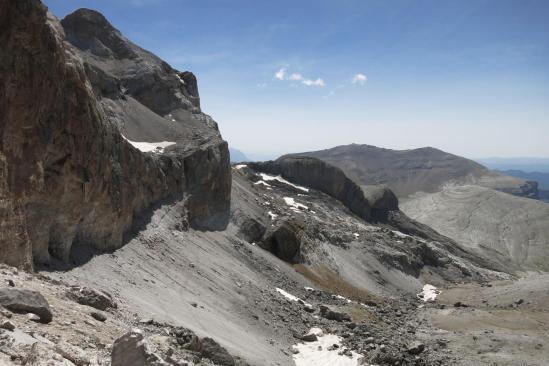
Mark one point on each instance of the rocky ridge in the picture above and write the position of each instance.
(425, 170)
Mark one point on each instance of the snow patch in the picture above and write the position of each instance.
(278, 178)
(356, 235)
(317, 353)
(156, 147)
(263, 183)
(272, 215)
(240, 166)
(341, 298)
(293, 204)
(429, 293)
(291, 297)
(400, 235)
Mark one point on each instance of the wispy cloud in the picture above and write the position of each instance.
(359, 79)
(282, 74)
(317, 82)
(296, 77)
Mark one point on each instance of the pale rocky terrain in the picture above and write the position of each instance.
(492, 223)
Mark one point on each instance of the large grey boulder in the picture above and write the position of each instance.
(26, 301)
(90, 297)
(284, 240)
(334, 314)
(132, 349)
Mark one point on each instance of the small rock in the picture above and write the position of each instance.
(194, 304)
(98, 316)
(11, 283)
(33, 317)
(459, 304)
(6, 324)
(416, 348)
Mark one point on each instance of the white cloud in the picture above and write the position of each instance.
(281, 74)
(262, 85)
(296, 77)
(317, 82)
(359, 79)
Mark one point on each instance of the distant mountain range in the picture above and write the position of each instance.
(525, 164)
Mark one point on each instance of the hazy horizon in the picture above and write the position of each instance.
(470, 78)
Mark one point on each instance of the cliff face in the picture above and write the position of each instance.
(67, 175)
(368, 202)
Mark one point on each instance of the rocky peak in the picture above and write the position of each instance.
(89, 30)
(118, 67)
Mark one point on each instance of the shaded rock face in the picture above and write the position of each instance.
(67, 176)
(138, 73)
(529, 190)
(285, 239)
(368, 202)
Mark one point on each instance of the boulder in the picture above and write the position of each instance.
(90, 297)
(215, 352)
(415, 348)
(331, 314)
(98, 316)
(132, 349)
(7, 325)
(249, 228)
(26, 301)
(284, 240)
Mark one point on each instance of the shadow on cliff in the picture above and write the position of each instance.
(173, 217)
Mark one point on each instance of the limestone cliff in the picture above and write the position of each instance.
(67, 175)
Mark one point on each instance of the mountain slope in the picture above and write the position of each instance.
(409, 171)
(488, 222)
(457, 197)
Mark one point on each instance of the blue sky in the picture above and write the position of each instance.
(469, 77)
